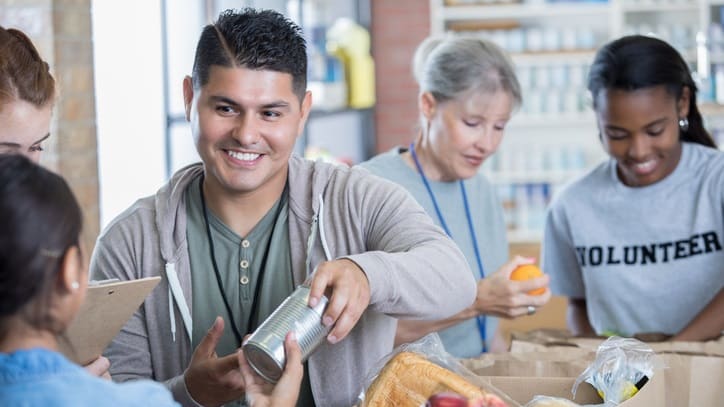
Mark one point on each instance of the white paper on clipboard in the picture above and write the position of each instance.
(107, 307)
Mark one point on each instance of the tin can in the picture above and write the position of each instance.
(264, 349)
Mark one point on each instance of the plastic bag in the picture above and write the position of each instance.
(430, 347)
(622, 366)
(546, 401)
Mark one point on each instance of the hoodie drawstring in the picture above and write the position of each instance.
(322, 236)
(175, 289)
(317, 225)
(171, 316)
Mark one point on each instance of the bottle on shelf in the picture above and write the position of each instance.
(351, 43)
(325, 71)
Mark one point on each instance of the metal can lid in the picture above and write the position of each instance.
(262, 362)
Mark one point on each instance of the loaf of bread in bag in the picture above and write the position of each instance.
(408, 380)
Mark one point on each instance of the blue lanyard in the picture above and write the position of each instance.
(480, 318)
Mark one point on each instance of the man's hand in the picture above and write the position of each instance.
(99, 367)
(350, 295)
(285, 393)
(500, 296)
(211, 380)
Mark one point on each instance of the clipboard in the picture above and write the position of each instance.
(107, 307)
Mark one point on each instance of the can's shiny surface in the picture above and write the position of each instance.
(264, 350)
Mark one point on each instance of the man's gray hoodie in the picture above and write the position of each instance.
(414, 270)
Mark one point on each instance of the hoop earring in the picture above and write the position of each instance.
(684, 124)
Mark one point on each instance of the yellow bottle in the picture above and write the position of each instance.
(350, 42)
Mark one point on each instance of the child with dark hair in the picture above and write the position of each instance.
(43, 280)
(636, 244)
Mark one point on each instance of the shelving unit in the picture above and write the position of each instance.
(344, 132)
(347, 134)
(441, 14)
(553, 138)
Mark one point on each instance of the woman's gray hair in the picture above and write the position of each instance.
(448, 67)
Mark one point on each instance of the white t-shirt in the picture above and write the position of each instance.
(646, 259)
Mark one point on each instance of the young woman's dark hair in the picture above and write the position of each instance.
(40, 220)
(24, 75)
(636, 62)
(255, 40)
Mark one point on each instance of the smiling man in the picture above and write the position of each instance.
(233, 235)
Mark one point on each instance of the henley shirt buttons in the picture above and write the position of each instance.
(244, 280)
(244, 243)
(244, 264)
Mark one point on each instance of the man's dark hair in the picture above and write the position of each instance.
(252, 39)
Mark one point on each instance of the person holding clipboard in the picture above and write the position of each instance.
(43, 281)
(27, 97)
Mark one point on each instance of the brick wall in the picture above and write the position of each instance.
(398, 26)
(61, 29)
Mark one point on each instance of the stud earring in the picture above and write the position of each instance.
(684, 124)
(74, 285)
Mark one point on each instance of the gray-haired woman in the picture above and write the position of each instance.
(468, 92)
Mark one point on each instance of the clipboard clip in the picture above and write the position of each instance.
(94, 283)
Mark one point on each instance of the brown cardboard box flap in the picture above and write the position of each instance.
(533, 364)
(694, 380)
(524, 389)
(546, 339)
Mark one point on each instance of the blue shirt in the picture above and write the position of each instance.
(40, 377)
(463, 339)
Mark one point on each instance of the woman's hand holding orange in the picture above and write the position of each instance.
(500, 296)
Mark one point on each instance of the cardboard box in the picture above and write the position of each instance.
(695, 381)
(524, 389)
(522, 377)
(687, 380)
(551, 316)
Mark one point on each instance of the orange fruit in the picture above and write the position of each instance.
(526, 272)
